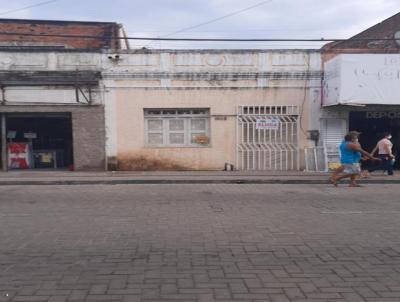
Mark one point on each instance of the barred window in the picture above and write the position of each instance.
(177, 127)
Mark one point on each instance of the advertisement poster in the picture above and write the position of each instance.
(19, 156)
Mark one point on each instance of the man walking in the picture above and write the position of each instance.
(384, 148)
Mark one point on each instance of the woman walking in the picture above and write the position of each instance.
(350, 156)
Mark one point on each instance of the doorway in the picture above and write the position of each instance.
(39, 141)
(373, 125)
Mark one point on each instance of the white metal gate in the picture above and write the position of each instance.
(333, 131)
(316, 159)
(271, 146)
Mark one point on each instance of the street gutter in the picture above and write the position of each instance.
(185, 181)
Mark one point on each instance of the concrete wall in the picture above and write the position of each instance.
(50, 61)
(218, 80)
(89, 138)
(130, 124)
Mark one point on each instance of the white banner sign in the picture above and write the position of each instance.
(362, 79)
(267, 124)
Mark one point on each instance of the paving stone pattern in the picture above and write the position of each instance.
(200, 243)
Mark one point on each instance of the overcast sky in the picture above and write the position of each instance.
(272, 19)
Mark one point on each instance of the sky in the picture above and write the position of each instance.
(270, 19)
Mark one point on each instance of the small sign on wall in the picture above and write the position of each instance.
(267, 124)
(383, 114)
(221, 118)
(11, 134)
(202, 139)
(30, 135)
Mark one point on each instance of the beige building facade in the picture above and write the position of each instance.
(211, 109)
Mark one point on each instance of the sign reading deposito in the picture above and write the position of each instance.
(383, 114)
(267, 124)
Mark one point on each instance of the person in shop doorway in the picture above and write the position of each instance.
(385, 153)
(350, 156)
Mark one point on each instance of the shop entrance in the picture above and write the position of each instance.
(373, 124)
(39, 141)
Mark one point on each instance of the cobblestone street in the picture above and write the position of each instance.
(200, 243)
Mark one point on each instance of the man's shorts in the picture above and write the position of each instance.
(352, 168)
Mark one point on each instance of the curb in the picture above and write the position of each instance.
(186, 181)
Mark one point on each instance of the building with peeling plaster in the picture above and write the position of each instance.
(51, 99)
(161, 109)
(211, 109)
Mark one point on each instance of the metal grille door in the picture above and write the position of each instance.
(333, 131)
(267, 138)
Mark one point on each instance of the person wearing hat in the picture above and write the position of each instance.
(350, 156)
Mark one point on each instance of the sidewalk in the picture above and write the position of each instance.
(175, 177)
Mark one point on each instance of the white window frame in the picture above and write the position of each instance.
(185, 114)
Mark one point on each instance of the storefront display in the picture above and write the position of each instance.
(19, 156)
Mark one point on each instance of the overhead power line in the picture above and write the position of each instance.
(27, 7)
(195, 39)
(214, 20)
(217, 19)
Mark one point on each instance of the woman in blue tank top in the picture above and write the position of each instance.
(350, 156)
(347, 155)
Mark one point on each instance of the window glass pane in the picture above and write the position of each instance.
(169, 112)
(155, 125)
(176, 125)
(176, 138)
(200, 111)
(184, 111)
(198, 124)
(152, 112)
(155, 138)
(199, 138)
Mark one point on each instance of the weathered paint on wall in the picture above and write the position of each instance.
(218, 80)
(30, 61)
(131, 132)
